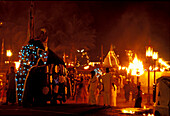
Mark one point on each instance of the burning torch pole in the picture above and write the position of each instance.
(154, 57)
(149, 57)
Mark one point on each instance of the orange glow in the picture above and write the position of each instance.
(86, 67)
(1, 82)
(144, 107)
(6, 62)
(8, 53)
(155, 55)
(120, 67)
(149, 52)
(129, 111)
(17, 64)
(150, 68)
(123, 68)
(156, 68)
(112, 55)
(135, 67)
(162, 69)
(163, 63)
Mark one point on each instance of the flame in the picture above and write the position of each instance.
(8, 53)
(17, 65)
(149, 52)
(128, 111)
(123, 68)
(156, 68)
(155, 55)
(136, 67)
(120, 67)
(144, 107)
(160, 60)
(86, 67)
(162, 69)
(150, 68)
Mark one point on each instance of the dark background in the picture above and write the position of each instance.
(125, 25)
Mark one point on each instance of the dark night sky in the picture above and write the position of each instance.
(126, 25)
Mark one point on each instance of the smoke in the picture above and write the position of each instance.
(139, 24)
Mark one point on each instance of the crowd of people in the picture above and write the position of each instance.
(90, 89)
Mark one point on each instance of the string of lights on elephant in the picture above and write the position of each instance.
(28, 57)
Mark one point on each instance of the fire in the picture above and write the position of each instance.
(149, 52)
(86, 67)
(150, 68)
(136, 67)
(17, 64)
(163, 63)
(144, 107)
(9, 53)
(128, 111)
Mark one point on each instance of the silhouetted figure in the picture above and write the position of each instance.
(68, 88)
(11, 87)
(81, 92)
(71, 76)
(107, 81)
(138, 99)
(127, 90)
(134, 90)
(61, 89)
(93, 88)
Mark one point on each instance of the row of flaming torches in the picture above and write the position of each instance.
(136, 67)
